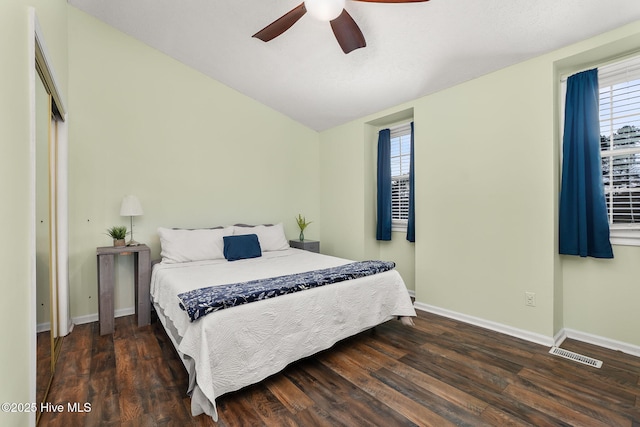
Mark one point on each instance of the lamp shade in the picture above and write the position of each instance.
(130, 206)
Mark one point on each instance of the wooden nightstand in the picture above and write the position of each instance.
(307, 245)
(106, 278)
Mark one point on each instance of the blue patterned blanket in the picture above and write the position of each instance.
(200, 302)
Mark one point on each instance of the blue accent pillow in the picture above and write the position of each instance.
(241, 247)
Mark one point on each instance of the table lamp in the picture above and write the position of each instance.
(131, 207)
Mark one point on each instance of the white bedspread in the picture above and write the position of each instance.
(239, 346)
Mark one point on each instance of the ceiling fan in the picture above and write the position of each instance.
(344, 27)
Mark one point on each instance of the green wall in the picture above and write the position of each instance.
(342, 174)
(17, 306)
(487, 184)
(486, 197)
(602, 295)
(15, 310)
(195, 152)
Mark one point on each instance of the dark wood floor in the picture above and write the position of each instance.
(43, 364)
(441, 372)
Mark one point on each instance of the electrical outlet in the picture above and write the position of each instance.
(530, 299)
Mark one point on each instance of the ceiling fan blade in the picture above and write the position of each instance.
(347, 32)
(393, 1)
(281, 24)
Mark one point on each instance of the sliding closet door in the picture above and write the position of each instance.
(44, 242)
(49, 213)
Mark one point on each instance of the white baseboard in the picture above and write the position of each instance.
(556, 340)
(559, 338)
(80, 320)
(42, 327)
(624, 347)
(488, 324)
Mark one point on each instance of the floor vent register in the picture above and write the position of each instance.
(557, 351)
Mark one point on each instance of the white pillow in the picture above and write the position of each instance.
(271, 237)
(192, 245)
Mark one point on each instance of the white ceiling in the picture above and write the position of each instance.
(412, 49)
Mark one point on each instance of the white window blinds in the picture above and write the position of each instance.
(400, 158)
(620, 140)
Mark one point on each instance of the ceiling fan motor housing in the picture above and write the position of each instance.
(324, 10)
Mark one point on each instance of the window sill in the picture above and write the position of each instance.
(624, 237)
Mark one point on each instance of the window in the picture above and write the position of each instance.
(400, 158)
(619, 85)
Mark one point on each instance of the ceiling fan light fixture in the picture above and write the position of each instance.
(324, 10)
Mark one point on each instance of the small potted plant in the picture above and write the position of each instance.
(302, 223)
(118, 234)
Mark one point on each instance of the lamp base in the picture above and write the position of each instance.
(132, 243)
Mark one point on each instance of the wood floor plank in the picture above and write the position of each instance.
(587, 403)
(460, 416)
(373, 340)
(577, 373)
(476, 360)
(103, 355)
(145, 420)
(131, 406)
(429, 326)
(397, 375)
(412, 410)
(313, 416)
(486, 387)
(433, 385)
(105, 411)
(286, 392)
(554, 408)
(593, 397)
(268, 407)
(127, 364)
(440, 372)
(147, 344)
(496, 417)
(235, 411)
(168, 407)
(341, 402)
(491, 377)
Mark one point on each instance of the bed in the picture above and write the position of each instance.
(228, 349)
